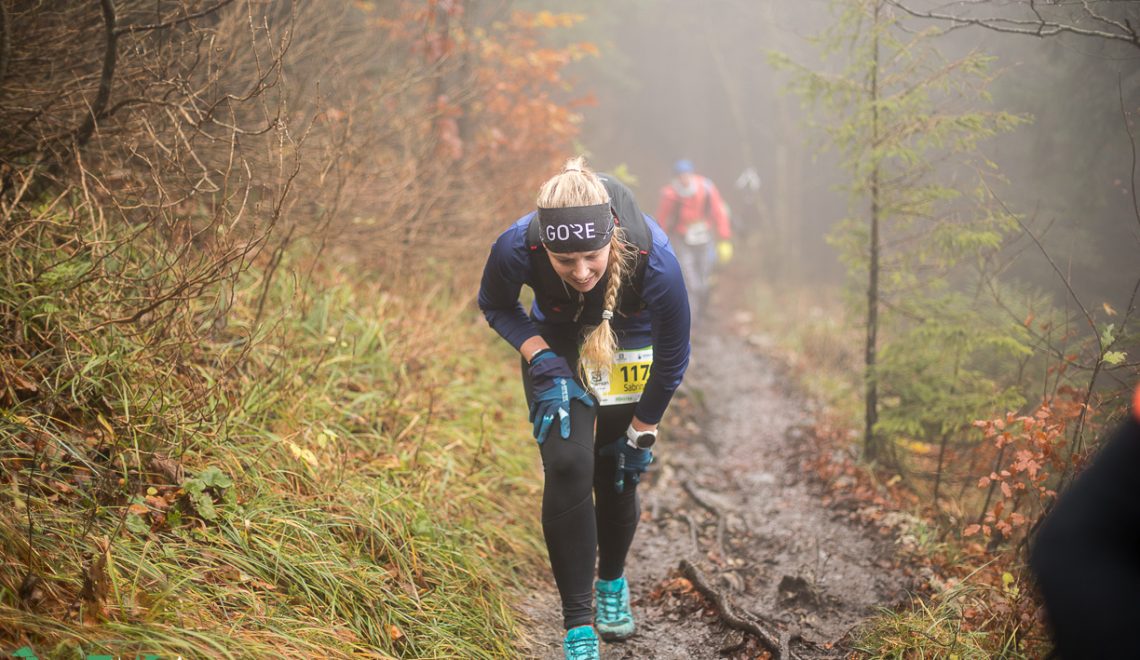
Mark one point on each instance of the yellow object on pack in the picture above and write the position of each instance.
(724, 251)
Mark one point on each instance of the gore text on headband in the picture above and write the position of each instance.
(576, 228)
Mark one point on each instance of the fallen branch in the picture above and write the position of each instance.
(778, 648)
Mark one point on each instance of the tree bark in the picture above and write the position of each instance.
(5, 42)
(871, 449)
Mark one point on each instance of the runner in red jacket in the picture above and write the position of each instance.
(693, 214)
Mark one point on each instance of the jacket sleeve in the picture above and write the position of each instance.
(506, 270)
(716, 209)
(668, 303)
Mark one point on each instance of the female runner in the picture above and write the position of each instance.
(603, 348)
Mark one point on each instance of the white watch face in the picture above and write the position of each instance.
(632, 436)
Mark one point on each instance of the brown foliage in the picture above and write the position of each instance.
(1032, 453)
(154, 152)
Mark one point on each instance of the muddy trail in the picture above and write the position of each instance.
(731, 522)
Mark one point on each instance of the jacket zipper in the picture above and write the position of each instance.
(581, 306)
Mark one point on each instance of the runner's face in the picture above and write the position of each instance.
(581, 270)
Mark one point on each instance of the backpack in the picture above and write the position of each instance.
(675, 216)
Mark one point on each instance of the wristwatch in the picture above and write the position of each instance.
(640, 439)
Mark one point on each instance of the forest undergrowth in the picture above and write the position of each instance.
(970, 542)
(238, 263)
(330, 482)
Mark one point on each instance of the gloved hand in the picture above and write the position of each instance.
(631, 462)
(552, 389)
(724, 251)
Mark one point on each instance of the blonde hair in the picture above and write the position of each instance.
(600, 344)
(577, 185)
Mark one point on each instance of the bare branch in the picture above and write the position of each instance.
(1132, 145)
(1041, 27)
(171, 23)
(1049, 258)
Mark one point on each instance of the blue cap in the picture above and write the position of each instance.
(683, 166)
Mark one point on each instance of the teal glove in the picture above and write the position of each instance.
(554, 388)
(631, 462)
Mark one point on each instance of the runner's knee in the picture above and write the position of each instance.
(569, 462)
(568, 470)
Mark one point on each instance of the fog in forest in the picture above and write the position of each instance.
(255, 401)
(692, 80)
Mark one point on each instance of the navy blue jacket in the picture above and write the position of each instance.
(664, 322)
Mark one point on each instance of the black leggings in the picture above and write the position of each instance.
(580, 529)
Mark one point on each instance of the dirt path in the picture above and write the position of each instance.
(729, 497)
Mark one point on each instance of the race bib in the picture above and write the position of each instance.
(698, 233)
(625, 380)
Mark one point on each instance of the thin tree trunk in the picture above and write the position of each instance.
(732, 93)
(946, 434)
(941, 461)
(871, 449)
(110, 53)
(466, 20)
(5, 42)
(993, 486)
(783, 228)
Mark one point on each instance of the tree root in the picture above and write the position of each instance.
(777, 647)
(704, 504)
(693, 536)
(721, 519)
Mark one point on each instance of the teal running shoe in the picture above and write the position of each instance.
(581, 643)
(613, 617)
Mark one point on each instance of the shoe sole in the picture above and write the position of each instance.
(617, 636)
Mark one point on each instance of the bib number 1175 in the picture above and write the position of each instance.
(625, 381)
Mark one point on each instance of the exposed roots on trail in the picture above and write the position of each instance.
(784, 576)
(777, 647)
(711, 508)
(721, 524)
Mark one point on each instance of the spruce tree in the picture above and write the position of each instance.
(906, 122)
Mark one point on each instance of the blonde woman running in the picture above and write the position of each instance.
(604, 346)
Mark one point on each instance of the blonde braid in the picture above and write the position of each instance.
(600, 344)
(577, 185)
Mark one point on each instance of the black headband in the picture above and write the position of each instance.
(576, 228)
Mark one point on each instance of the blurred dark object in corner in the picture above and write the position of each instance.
(1087, 553)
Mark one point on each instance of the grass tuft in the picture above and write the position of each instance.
(347, 477)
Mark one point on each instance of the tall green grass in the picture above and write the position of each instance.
(351, 476)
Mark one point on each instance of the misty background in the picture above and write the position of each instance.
(241, 359)
(692, 80)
